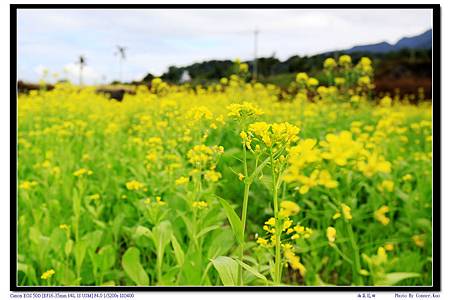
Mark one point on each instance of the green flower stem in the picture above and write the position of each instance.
(335, 247)
(357, 263)
(244, 213)
(277, 224)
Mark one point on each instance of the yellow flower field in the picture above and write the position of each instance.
(236, 183)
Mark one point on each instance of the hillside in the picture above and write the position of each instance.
(421, 41)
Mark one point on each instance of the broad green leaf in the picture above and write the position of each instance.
(117, 225)
(192, 268)
(100, 224)
(68, 247)
(80, 252)
(206, 230)
(65, 276)
(227, 269)
(93, 239)
(161, 237)
(57, 240)
(132, 266)
(76, 204)
(252, 270)
(161, 234)
(234, 220)
(35, 235)
(107, 257)
(179, 254)
(29, 272)
(393, 278)
(221, 243)
(189, 225)
(142, 231)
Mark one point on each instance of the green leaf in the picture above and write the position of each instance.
(68, 247)
(179, 254)
(132, 266)
(221, 243)
(227, 269)
(93, 239)
(29, 272)
(80, 252)
(234, 220)
(57, 240)
(161, 234)
(65, 276)
(206, 230)
(393, 278)
(189, 226)
(252, 270)
(142, 231)
(107, 257)
(76, 205)
(161, 237)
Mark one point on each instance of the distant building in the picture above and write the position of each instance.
(185, 77)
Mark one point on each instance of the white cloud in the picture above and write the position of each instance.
(41, 71)
(71, 71)
(158, 38)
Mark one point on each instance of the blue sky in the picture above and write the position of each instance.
(156, 39)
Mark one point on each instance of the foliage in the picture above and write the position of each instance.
(234, 183)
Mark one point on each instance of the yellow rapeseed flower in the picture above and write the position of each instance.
(374, 164)
(312, 82)
(386, 185)
(199, 204)
(26, 185)
(243, 110)
(407, 177)
(294, 261)
(345, 60)
(326, 180)
(182, 180)
(379, 215)
(331, 234)
(262, 242)
(270, 222)
(159, 201)
(47, 274)
(288, 208)
(389, 247)
(301, 77)
(134, 185)
(81, 172)
(212, 176)
(419, 240)
(346, 211)
(329, 63)
(241, 176)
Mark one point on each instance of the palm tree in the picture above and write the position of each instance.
(81, 62)
(121, 52)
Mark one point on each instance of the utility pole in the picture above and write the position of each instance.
(255, 59)
(82, 63)
(121, 53)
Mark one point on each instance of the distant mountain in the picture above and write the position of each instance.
(382, 47)
(421, 41)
